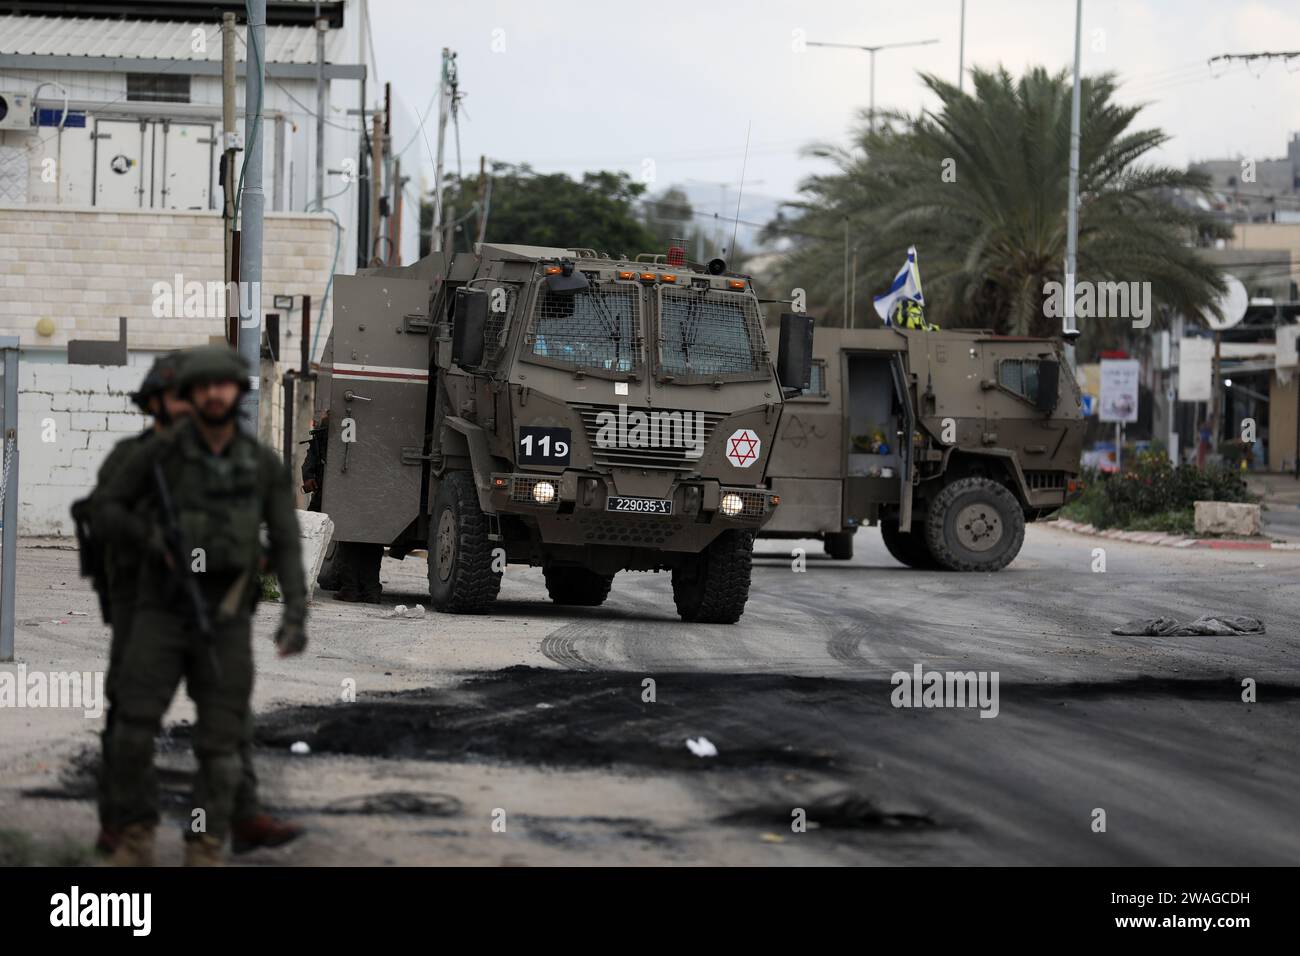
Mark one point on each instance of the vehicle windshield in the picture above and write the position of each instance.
(707, 333)
(597, 328)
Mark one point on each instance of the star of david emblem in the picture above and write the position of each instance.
(743, 447)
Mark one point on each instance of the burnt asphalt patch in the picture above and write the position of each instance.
(545, 717)
(561, 718)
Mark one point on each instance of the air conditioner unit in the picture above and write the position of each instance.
(15, 110)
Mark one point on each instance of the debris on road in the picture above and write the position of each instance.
(1206, 625)
(300, 747)
(411, 613)
(701, 747)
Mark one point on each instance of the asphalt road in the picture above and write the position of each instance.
(528, 736)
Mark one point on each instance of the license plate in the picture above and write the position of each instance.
(643, 506)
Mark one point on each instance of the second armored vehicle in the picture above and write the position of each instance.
(949, 441)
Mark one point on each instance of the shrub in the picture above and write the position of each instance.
(1152, 494)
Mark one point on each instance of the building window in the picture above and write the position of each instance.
(158, 87)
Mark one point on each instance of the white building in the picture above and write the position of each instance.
(100, 204)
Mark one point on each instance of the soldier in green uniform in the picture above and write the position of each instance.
(222, 485)
(156, 397)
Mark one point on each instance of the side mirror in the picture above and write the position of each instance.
(794, 353)
(1049, 384)
(468, 326)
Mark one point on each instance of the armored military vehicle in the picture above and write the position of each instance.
(560, 408)
(949, 441)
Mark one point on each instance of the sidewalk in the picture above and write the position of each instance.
(1280, 496)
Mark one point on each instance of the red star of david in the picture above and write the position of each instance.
(738, 456)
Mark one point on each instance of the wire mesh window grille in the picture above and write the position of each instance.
(1019, 376)
(501, 306)
(708, 334)
(597, 329)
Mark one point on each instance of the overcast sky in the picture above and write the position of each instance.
(608, 85)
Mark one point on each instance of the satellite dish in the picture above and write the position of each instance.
(1232, 305)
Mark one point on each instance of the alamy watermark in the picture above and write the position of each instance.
(654, 429)
(69, 690)
(1099, 300)
(179, 299)
(922, 688)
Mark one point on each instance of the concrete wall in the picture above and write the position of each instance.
(86, 410)
(82, 268)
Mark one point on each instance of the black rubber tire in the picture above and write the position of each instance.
(910, 549)
(577, 586)
(996, 507)
(461, 580)
(714, 587)
(838, 545)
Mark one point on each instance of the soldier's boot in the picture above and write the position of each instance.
(107, 841)
(203, 850)
(262, 830)
(134, 846)
(368, 564)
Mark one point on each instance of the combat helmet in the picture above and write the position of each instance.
(213, 363)
(161, 376)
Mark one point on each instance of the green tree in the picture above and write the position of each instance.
(979, 186)
(601, 211)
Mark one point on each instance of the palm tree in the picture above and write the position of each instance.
(979, 187)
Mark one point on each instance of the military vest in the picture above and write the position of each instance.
(219, 499)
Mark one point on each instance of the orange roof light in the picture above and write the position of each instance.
(735, 283)
(626, 275)
(553, 270)
(667, 277)
(648, 276)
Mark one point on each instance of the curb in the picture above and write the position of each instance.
(1163, 540)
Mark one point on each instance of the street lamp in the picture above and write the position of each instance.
(871, 109)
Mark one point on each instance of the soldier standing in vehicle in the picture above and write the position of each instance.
(222, 485)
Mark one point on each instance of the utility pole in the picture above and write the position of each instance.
(363, 174)
(873, 50)
(446, 101)
(961, 50)
(847, 305)
(1071, 331)
(321, 26)
(394, 256)
(482, 198)
(376, 180)
(229, 145)
(252, 205)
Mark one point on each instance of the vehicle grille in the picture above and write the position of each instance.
(672, 455)
(755, 502)
(1045, 480)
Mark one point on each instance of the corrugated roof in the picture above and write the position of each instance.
(153, 39)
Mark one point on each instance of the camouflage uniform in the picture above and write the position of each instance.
(122, 565)
(221, 502)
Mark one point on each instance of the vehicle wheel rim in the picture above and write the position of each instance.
(446, 544)
(978, 527)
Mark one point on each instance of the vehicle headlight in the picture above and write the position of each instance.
(543, 492)
(731, 505)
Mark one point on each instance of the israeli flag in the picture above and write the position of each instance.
(906, 285)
